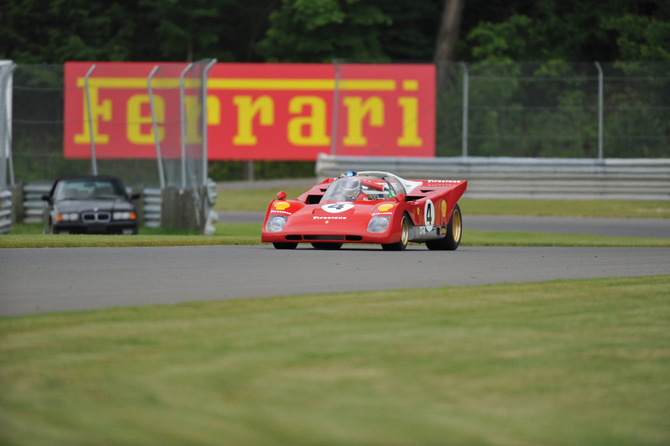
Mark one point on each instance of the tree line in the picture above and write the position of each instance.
(55, 31)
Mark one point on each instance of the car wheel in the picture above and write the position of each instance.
(454, 231)
(284, 245)
(404, 236)
(324, 245)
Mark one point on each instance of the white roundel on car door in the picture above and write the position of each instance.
(429, 215)
(336, 208)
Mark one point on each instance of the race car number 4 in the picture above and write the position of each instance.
(336, 208)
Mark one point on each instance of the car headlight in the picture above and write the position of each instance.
(276, 224)
(124, 216)
(67, 217)
(378, 224)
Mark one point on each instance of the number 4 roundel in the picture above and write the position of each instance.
(336, 208)
(429, 215)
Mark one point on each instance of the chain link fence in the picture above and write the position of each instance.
(553, 110)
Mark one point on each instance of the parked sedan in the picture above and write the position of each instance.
(89, 205)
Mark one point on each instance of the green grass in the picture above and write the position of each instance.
(250, 234)
(258, 200)
(581, 362)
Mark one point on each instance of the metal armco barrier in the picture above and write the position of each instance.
(5, 211)
(623, 179)
(29, 206)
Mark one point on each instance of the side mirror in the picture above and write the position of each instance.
(46, 197)
(281, 195)
(135, 196)
(400, 198)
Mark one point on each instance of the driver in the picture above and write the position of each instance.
(350, 188)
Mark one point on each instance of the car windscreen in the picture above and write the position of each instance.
(358, 188)
(89, 190)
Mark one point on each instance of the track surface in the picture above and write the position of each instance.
(65, 279)
(624, 227)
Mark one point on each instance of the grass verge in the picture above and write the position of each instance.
(258, 200)
(581, 362)
(249, 234)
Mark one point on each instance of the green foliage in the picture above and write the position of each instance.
(641, 38)
(322, 30)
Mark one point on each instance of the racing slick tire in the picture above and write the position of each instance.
(404, 236)
(278, 245)
(325, 245)
(454, 231)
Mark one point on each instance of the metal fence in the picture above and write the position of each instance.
(35, 117)
(546, 110)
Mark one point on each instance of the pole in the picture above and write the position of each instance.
(600, 111)
(8, 132)
(161, 174)
(336, 90)
(183, 125)
(94, 166)
(204, 121)
(3, 128)
(466, 84)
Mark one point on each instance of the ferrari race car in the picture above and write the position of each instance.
(368, 207)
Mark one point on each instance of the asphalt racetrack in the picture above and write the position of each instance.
(65, 279)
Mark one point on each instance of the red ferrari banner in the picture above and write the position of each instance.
(254, 111)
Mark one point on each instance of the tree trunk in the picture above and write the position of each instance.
(447, 38)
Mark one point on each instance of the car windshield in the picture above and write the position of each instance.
(359, 189)
(89, 190)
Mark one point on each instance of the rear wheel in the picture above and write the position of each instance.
(284, 245)
(325, 245)
(404, 236)
(454, 230)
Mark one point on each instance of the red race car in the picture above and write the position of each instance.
(368, 207)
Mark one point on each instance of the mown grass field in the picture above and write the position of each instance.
(30, 236)
(258, 200)
(583, 362)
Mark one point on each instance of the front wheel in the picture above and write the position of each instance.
(324, 245)
(454, 230)
(278, 245)
(404, 236)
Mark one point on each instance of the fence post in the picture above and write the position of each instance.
(161, 174)
(8, 127)
(204, 121)
(183, 125)
(336, 90)
(466, 82)
(94, 165)
(600, 111)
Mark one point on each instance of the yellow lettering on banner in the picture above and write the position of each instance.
(102, 111)
(213, 110)
(193, 113)
(135, 119)
(315, 123)
(410, 122)
(357, 111)
(247, 109)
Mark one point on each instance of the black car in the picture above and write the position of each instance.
(89, 205)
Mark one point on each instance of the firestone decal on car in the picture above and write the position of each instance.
(282, 205)
(329, 218)
(336, 208)
(444, 181)
(275, 211)
(382, 213)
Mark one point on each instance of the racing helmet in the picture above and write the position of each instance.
(351, 186)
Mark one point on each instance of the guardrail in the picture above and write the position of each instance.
(29, 206)
(5, 211)
(623, 179)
